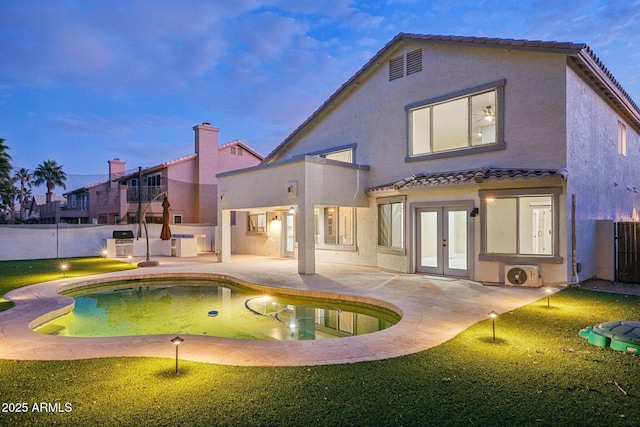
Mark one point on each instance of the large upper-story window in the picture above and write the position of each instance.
(154, 180)
(466, 120)
(343, 153)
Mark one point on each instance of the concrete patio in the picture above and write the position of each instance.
(434, 309)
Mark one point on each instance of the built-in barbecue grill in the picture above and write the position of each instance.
(123, 237)
(123, 240)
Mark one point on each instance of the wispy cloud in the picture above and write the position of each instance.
(142, 71)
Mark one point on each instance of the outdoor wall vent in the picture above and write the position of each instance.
(414, 61)
(413, 64)
(396, 68)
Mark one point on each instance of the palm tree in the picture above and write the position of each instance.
(6, 182)
(5, 165)
(24, 177)
(51, 174)
(7, 196)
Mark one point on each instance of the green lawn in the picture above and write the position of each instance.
(15, 274)
(537, 372)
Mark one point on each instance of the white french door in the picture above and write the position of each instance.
(442, 240)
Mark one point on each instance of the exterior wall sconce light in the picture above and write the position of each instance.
(493, 316)
(177, 341)
(474, 212)
(292, 210)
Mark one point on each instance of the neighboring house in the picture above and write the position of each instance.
(40, 212)
(451, 156)
(190, 183)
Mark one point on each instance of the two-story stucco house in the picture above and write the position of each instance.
(190, 183)
(451, 156)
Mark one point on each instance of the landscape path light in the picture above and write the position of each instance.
(64, 267)
(493, 316)
(548, 291)
(177, 341)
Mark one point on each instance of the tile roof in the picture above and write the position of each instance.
(41, 199)
(495, 41)
(477, 175)
(152, 169)
(237, 142)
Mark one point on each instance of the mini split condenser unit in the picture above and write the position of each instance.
(522, 275)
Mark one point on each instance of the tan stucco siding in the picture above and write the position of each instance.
(373, 114)
(602, 180)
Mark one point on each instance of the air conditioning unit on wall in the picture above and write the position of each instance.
(522, 275)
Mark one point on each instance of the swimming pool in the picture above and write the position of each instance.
(211, 308)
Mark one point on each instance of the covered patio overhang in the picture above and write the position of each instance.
(303, 183)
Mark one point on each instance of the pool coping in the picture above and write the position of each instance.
(454, 304)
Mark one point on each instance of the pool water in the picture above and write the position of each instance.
(219, 309)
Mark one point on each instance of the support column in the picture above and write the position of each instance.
(306, 238)
(223, 241)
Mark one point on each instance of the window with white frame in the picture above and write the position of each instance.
(344, 153)
(154, 180)
(257, 222)
(391, 223)
(468, 119)
(84, 201)
(340, 156)
(335, 225)
(521, 223)
(622, 138)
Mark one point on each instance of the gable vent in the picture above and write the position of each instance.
(414, 61)
(396, 68)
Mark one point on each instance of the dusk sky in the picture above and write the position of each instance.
(82, 82)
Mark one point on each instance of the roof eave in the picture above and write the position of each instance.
(399, 40)
(581, 51)
(587, 64)
(336, 97)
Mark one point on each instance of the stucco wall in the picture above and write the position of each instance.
(373, 115)
(67, 240)
(601, 179)
(265, 245)
(182, 190)
(228, 162)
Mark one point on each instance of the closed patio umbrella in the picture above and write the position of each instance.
(165, 234)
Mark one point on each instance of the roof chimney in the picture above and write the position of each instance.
(116, 170)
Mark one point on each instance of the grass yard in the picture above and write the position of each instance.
(537, 372)
(16, 274)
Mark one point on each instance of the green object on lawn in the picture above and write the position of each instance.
(621, 335)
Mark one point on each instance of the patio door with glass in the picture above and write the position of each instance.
(442, 241)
